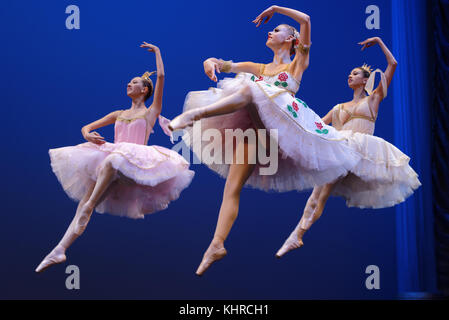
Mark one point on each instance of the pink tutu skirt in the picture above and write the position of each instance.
(148, 177)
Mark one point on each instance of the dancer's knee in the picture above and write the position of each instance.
(107, 167)
(245, 93)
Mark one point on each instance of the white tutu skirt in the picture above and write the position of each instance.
(148, 177)
(370, 171)
(310, 153)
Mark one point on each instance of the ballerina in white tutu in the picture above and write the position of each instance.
(310, 152)
(383, 177)
(127, 177)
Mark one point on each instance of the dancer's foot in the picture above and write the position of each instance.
(185, 119)
(214, 253)
(292, 242)
(57, 255)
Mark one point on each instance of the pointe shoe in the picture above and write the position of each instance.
(54, 257)
(185, 120)
(290, 244)
(209, 258)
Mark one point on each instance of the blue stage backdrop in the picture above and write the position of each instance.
(56, 80)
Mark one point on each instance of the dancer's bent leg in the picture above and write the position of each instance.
(312, 212)
(82, 216)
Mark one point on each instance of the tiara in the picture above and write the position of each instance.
(146, 75)
(367, 68)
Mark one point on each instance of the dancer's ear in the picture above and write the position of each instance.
(290, 38)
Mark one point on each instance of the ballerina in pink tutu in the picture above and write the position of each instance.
(383, 177)
(262, 96)
(127, 177)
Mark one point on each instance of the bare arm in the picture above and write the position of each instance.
(391, 68)
(327, 119)
(300, 17)
(301, 60)
(159, 89)
(94, 137)
(155, 109)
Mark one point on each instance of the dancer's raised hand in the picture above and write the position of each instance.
(369, 42)
(267, 14)
(149, 46)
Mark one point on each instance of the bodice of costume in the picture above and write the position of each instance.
(355, 120)
(358, 120)
(131, 130)
(282, 79)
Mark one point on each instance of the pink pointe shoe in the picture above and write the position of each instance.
(54, 257)
(290, 244)
(212, 255)
(185, 119)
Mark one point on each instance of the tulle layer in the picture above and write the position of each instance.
(305, 158)
(382, 178)
(148, 177)
(373, 173)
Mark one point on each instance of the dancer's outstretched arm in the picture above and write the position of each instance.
(389, 72)
(213, 65)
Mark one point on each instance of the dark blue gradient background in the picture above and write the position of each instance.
(54, 81)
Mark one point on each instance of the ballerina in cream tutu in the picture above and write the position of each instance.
(262, 96)
(383, 177)
(127, 177)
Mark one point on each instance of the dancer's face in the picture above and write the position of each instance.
(136, 88)
(356, 78)
(278, 37)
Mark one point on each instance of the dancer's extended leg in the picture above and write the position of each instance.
(57, 255)
(226, 105)
(312, 212)
(82, 216)
(238, 174)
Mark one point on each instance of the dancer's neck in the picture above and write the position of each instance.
(281, 56)
(359, 94)
(138, 103)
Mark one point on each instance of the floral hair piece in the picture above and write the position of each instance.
(296, 35)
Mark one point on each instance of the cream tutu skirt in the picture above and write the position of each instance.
(382, 178)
